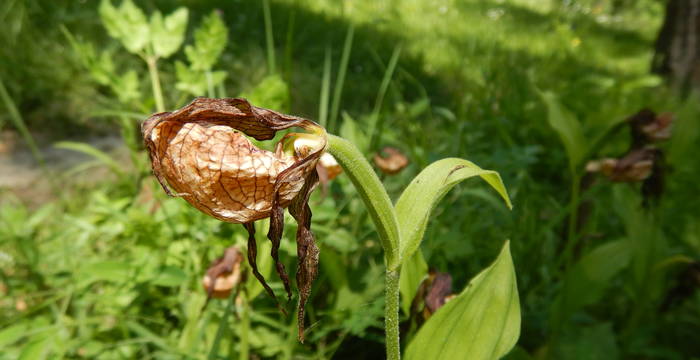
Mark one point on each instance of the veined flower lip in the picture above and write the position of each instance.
(199, 153)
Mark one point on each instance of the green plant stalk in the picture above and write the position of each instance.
(214, 352)
(373, 195)
(269, 40)
(210, 84)
(244, 352)
(325, 90)
(375, 123)
(152, 62)
(391, 315)
(340, 80)
(571, 237)
(383, 215)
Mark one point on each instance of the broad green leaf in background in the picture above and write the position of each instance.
(167, 34)
(413, 271)
(586, 281)
(417, 202)
(483, 322)
(567, 127)
(128, 24)
(209, 42)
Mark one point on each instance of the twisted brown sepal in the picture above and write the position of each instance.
(252, 260)
(307, 251)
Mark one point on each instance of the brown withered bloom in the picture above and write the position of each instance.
(648, 127)
(390, 160)
(433, 292)
(224, 274)
(637, 165)
(201, 153)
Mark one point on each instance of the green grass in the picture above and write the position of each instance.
(113, 269)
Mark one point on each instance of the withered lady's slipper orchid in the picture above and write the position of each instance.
(224, 274)
(390, 160)
(201, 153)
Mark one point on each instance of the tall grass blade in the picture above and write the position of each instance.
(325, 89)
(340, 79)
(270, 42)
(375, 122)
(19, 124)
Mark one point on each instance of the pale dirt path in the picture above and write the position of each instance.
(22, 178)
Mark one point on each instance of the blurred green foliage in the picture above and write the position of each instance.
(112, 268)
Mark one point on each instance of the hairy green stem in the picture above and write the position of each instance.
(373, 195)
(383, 215)
(391, 315)
(155, 82)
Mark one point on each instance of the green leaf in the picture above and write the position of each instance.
(567, 127)
(209, 42)
(194, 82)
(127, 24)
(169, 276)
(586, 281)
(90, 150)
(417, 202)
(189, 81)
(353, 133)
(107, 270)
(482, 322)
(595, 342)
(413, 271)
(38, 347)
(13, 333)
(272, 93)
(167, 34)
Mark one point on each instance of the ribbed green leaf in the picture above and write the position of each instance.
(417, 202)
(483, 322)
(413, 271)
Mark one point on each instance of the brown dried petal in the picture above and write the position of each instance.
(199, 151)
(392, 163)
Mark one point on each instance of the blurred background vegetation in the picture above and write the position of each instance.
(96, 262)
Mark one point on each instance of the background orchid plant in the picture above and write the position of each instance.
(201, 152)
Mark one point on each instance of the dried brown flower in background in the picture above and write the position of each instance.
(200, 153)
(433, 292)
(224, 274)
(393, 161)
(637, 165)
